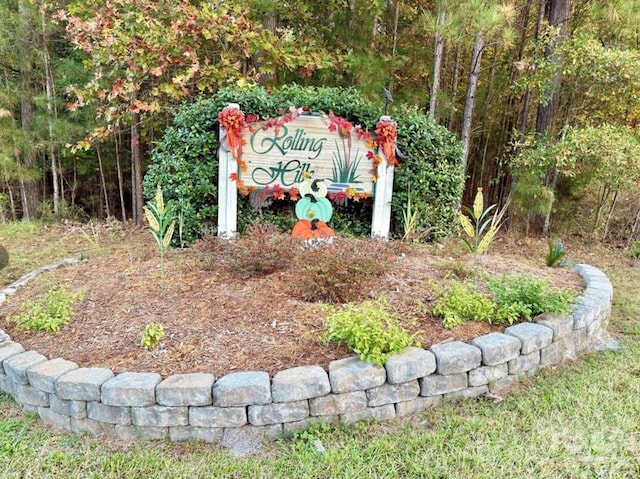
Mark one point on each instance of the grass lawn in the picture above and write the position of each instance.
(581, 420)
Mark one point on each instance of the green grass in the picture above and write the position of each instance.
(580, 420)
(32, 244)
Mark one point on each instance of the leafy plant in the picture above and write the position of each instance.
(151, 335)
(555, 253)
(50, 313)
(634, 250)
(433, 167)
(94, 237)
(457, 269)
(524, 297)
(161, 224)
(413, 225)
(369, 330)
(461, 302)
(479, 226)
(340, 272)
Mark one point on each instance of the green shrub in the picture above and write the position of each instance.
(185, 164)
(50, 313)
(460, 302)
(368, 330)
(634, 250)
(151, 335)
(509, 299)
(340, 272)
(432, 174)
(524, 297)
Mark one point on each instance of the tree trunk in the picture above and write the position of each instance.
(28, 186)
(12, 203)
(454, 86)
(437, 65)
(136, 170)
(558, 16)
(394, 46)
(103, 182)
(546, 227)
(485, 129)
(52, 116)
(609, 216)
(634, 229)
(123, 210)
(472, 86)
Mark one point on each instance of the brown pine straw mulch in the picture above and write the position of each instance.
(217, 324)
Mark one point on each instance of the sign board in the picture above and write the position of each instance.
(282, 153)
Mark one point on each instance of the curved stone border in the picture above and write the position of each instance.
(247, 405)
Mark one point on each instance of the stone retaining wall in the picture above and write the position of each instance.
(247, 405)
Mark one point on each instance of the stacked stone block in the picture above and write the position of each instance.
(250, 405)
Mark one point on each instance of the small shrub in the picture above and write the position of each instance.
(261, 251)
(461, 303)
(634, 250)
(369, 330)
(151, 336)
(555, 254)
(523, 297)
(340, 272)
(50, 313)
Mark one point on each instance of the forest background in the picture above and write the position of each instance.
(544, 95)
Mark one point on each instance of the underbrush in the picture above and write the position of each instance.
(330, 273)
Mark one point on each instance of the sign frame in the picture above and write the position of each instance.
(229, 172)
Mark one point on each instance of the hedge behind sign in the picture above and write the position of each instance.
(184, 161)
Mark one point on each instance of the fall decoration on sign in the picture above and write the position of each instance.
(386, 134)
(311, 208)
(313, 204)
(317, 188)
(233, 122)
(312, 231)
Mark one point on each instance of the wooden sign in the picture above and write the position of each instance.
(279, 154)
(306, 146)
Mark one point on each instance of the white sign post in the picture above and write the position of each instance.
(227, 191)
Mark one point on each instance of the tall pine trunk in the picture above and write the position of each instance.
(123, 211)
(52, 115)
(472, 86)
(558, 12)
(136, 166)
(437, 65)
(28, 185)
(454, 86)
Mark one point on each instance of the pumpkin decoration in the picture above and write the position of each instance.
(317, 188)
(310, 207)
(312, 232)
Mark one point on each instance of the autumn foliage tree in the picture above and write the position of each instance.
(145, 55)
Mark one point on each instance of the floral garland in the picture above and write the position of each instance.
(386, 135)
(233, 120)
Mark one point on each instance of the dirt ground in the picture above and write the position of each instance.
(215, 323)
